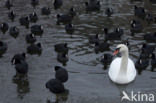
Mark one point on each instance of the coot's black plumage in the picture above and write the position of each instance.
(148, 48)
(93, 38)
(55, 86)
(21, 67)
(136, 26)
(37, 30)
(72, 12)
(64, 18)
(115, 35)
(62, 58)
(101, 46)
(144, 55)
(4, 27)
(33, 17)
(14, 31)
(18, 57)
(57, 4)
(109, 11)
(141, 65)
(34, 3)
(61, 48)
(106, 59)
(30, 38)
(139, 12)
(61, 74)
(149, 18)
(93, 5)
(34, 49)
(153, 62)
(69, 28)
(3, 48)
(45, 11)
(11, 15)
(8, 4)
(24, 21)
(150, 37)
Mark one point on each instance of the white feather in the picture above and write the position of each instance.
(124, 77)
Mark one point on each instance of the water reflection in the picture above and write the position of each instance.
(62, 58)
(22, 85)
(60, 98)
(121, 88)
(105, 67)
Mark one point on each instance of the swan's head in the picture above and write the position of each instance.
(121, 48)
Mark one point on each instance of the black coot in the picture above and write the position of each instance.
(61, 74)
(55, 86)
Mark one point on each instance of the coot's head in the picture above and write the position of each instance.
(16, 61)
(66, 45)
(144, 45)
(34, 14)
(57, 68)
(86, 3)
(1, 43)
(96, 43)
(24, 55)
(27, 18)
(97, 35)
(135, 7)
(72, 9)
(153, 56)
(39, 45)
(32, 35)
(133, 22)
(106, 30)
(117, 29)
(64, 55)
(58, 15)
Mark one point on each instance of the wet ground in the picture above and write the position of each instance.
(88, 81)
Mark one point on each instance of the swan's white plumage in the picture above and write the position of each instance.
(115, 68)
(124, 77)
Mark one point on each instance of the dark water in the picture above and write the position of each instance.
(88, 81)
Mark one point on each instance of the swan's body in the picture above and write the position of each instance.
(122, 69)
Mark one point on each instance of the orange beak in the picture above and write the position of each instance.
(116, 52)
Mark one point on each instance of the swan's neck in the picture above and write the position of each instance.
(124, 63)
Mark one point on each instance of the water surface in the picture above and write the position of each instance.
(88, 81)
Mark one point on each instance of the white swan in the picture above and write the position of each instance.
(122, 69)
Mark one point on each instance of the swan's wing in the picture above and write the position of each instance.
(131, 70)
(114, 68)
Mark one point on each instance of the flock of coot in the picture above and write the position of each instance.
(55, 85)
